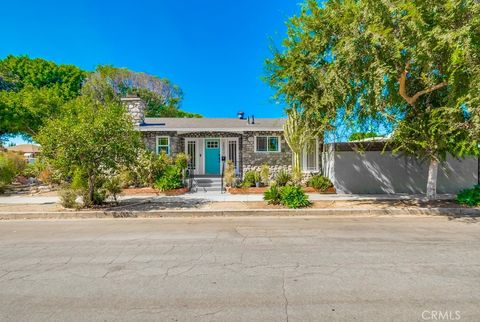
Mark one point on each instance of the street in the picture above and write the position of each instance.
(240, 269)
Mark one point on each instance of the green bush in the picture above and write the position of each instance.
(273, 195)
(470, 197)
(282, 178)
(293, 196)
(170, 179)
(249, 179)
(113, 187)
(319, 182)
(68, 197)
(11, 165)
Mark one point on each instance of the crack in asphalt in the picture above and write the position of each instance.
(285, 305)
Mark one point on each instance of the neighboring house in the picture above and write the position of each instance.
(29, 151)
(247, 142)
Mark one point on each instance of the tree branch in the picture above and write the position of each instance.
(412, 99)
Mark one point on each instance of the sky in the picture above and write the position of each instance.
(213, 49)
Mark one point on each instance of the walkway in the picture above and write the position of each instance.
(217, 196)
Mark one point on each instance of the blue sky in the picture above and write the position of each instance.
(213, 49)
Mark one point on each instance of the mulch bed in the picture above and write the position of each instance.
(149, 190)
(261, 190)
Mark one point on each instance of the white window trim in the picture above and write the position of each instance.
(157, 145)
(317, 159)
(268, 136)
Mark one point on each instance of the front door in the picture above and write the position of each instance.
(212, 156)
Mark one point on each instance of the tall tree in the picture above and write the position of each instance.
(34, 90)
(417, 62)
(162, 98)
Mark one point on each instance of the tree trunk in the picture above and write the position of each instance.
(91, 189)
(432, 180)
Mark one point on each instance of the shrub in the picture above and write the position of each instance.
(113, 187)
(11, 165)
(249, 179)
(470, 197)
(265, 174)
(229, 174)
(68, 197)
(282, 178)
(273, 195)
(319, 182)
(170, 179)
(181, 161)
(293, 196)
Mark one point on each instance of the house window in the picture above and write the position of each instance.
(267, 144)
(310, 157)
(163, 144)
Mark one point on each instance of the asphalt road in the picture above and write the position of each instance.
(241, 269)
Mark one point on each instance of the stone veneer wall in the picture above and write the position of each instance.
(136, 108)
(254, 160)
(150, 141)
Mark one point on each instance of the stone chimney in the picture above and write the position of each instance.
(136, 108)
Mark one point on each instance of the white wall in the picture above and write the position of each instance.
(372, 172)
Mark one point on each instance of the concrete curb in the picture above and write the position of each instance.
(451, 212)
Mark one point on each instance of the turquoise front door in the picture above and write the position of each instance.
(212, 156)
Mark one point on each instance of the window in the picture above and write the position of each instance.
(163, 144)
(192, 155)
(267, 144)
(212, 144)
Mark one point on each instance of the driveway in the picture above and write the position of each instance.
(240, 269)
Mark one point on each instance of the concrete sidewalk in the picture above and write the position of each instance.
(217, 196)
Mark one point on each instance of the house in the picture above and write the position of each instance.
(247, 142)
(29, 151)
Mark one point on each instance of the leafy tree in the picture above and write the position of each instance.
(34, 90)
(414, 63)
(91, 138)
(161, 97)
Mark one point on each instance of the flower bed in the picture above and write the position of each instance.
(261, 190)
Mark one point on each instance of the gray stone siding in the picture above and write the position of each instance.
(254, 160)
(150, 141)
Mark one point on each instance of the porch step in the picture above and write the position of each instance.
(209, 183)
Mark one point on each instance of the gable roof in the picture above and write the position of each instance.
(211, 124)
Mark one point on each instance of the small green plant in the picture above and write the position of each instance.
(249, 179)
(170, 179)
(68, 197)
(265, 174)
(282, 178)
(319, 182)
(273, 195)
(469, 197)
(293, 196)
(113, 187)
(229, 174)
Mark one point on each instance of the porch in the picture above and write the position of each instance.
(206, 154)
